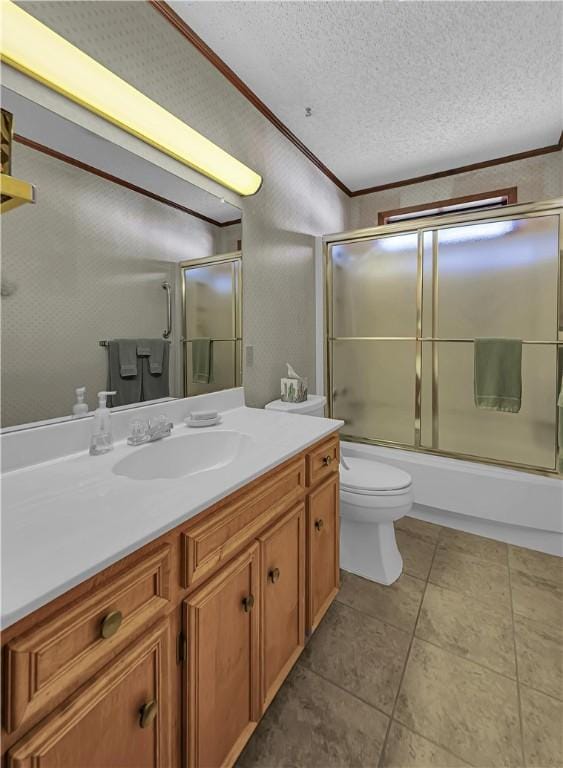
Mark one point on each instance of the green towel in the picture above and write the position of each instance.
(202, 361)
(498, 374)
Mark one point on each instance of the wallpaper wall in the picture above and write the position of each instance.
(537, 178)
(83, 264)
(295, 203)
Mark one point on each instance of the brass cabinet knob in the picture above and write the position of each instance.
(319, 524)
(327, 460)
(148, 713)
(274, 575)
(111, 623)
(248, 603)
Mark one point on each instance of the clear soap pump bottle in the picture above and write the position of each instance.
(101, 440)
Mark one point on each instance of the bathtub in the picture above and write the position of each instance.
(516, 507)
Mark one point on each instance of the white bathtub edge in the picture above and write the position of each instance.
(517, 507)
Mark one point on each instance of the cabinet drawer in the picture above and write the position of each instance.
(214, 540)
(48, 662)
(323, 461)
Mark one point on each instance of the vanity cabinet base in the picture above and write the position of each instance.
(169, 658)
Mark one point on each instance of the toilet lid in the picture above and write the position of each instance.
(366, 476)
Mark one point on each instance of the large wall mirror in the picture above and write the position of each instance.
(122, 275)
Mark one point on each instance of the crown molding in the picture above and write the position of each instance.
(117, 180)
(463, 169)
(189, 34)
(172, 17)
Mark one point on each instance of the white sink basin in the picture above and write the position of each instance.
(189, 454)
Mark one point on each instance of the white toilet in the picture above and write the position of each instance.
(372, 496)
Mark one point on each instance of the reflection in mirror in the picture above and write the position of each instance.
(92, 282)
(212, 323)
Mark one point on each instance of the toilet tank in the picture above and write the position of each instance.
(314, 405)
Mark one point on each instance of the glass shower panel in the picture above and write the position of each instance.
(374, 287)
(527, 437)
(373, 389)
(498, 279)
(210, 301)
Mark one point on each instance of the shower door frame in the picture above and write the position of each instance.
(420, 227)
(222, 258)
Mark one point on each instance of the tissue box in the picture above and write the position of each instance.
(293, 390)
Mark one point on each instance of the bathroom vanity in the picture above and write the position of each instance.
(170, 655)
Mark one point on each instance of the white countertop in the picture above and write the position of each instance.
(67, 519)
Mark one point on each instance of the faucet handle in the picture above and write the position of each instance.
(160, 423)
(138, 432)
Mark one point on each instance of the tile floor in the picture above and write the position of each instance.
(458, 663)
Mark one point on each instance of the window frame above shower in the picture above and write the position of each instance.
(497, 198)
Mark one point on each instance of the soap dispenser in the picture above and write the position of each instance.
(101, 440)
(80, 408)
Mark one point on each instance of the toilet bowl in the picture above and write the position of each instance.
(372, 497)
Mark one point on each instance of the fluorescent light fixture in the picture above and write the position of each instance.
(37, 51)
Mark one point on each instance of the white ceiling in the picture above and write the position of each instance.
(397, 89)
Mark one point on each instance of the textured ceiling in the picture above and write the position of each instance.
(397, 89)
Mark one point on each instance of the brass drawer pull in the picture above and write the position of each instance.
(274, 575)
(111, 623)
(148, 713)
(248, 603)
(327, 460)
(319, 524)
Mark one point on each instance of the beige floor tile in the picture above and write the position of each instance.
(360, 654)
(397, 604)
(542, 723)
(537, 598)
(420, 528)
(537, 563)
(539, 649)
(405, 749)
(315, 724)
(486, 582)
(457, 704)
(467, 628)
(476, 546)
(417, 554)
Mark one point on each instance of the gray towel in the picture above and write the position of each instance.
(128, 389)
(498, 374)
(156, 385)
(154, 350)
(127, 357)
(202, 361)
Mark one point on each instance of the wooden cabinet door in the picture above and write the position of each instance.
(223, 687)
(118, 720)
(323, 568)
(283, 599)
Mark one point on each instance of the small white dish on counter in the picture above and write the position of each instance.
(191, 422)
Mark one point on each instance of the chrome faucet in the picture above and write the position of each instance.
(148, 431)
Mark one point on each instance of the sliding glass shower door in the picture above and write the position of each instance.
(404, 309)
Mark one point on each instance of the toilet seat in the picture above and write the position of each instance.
(372, 478)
